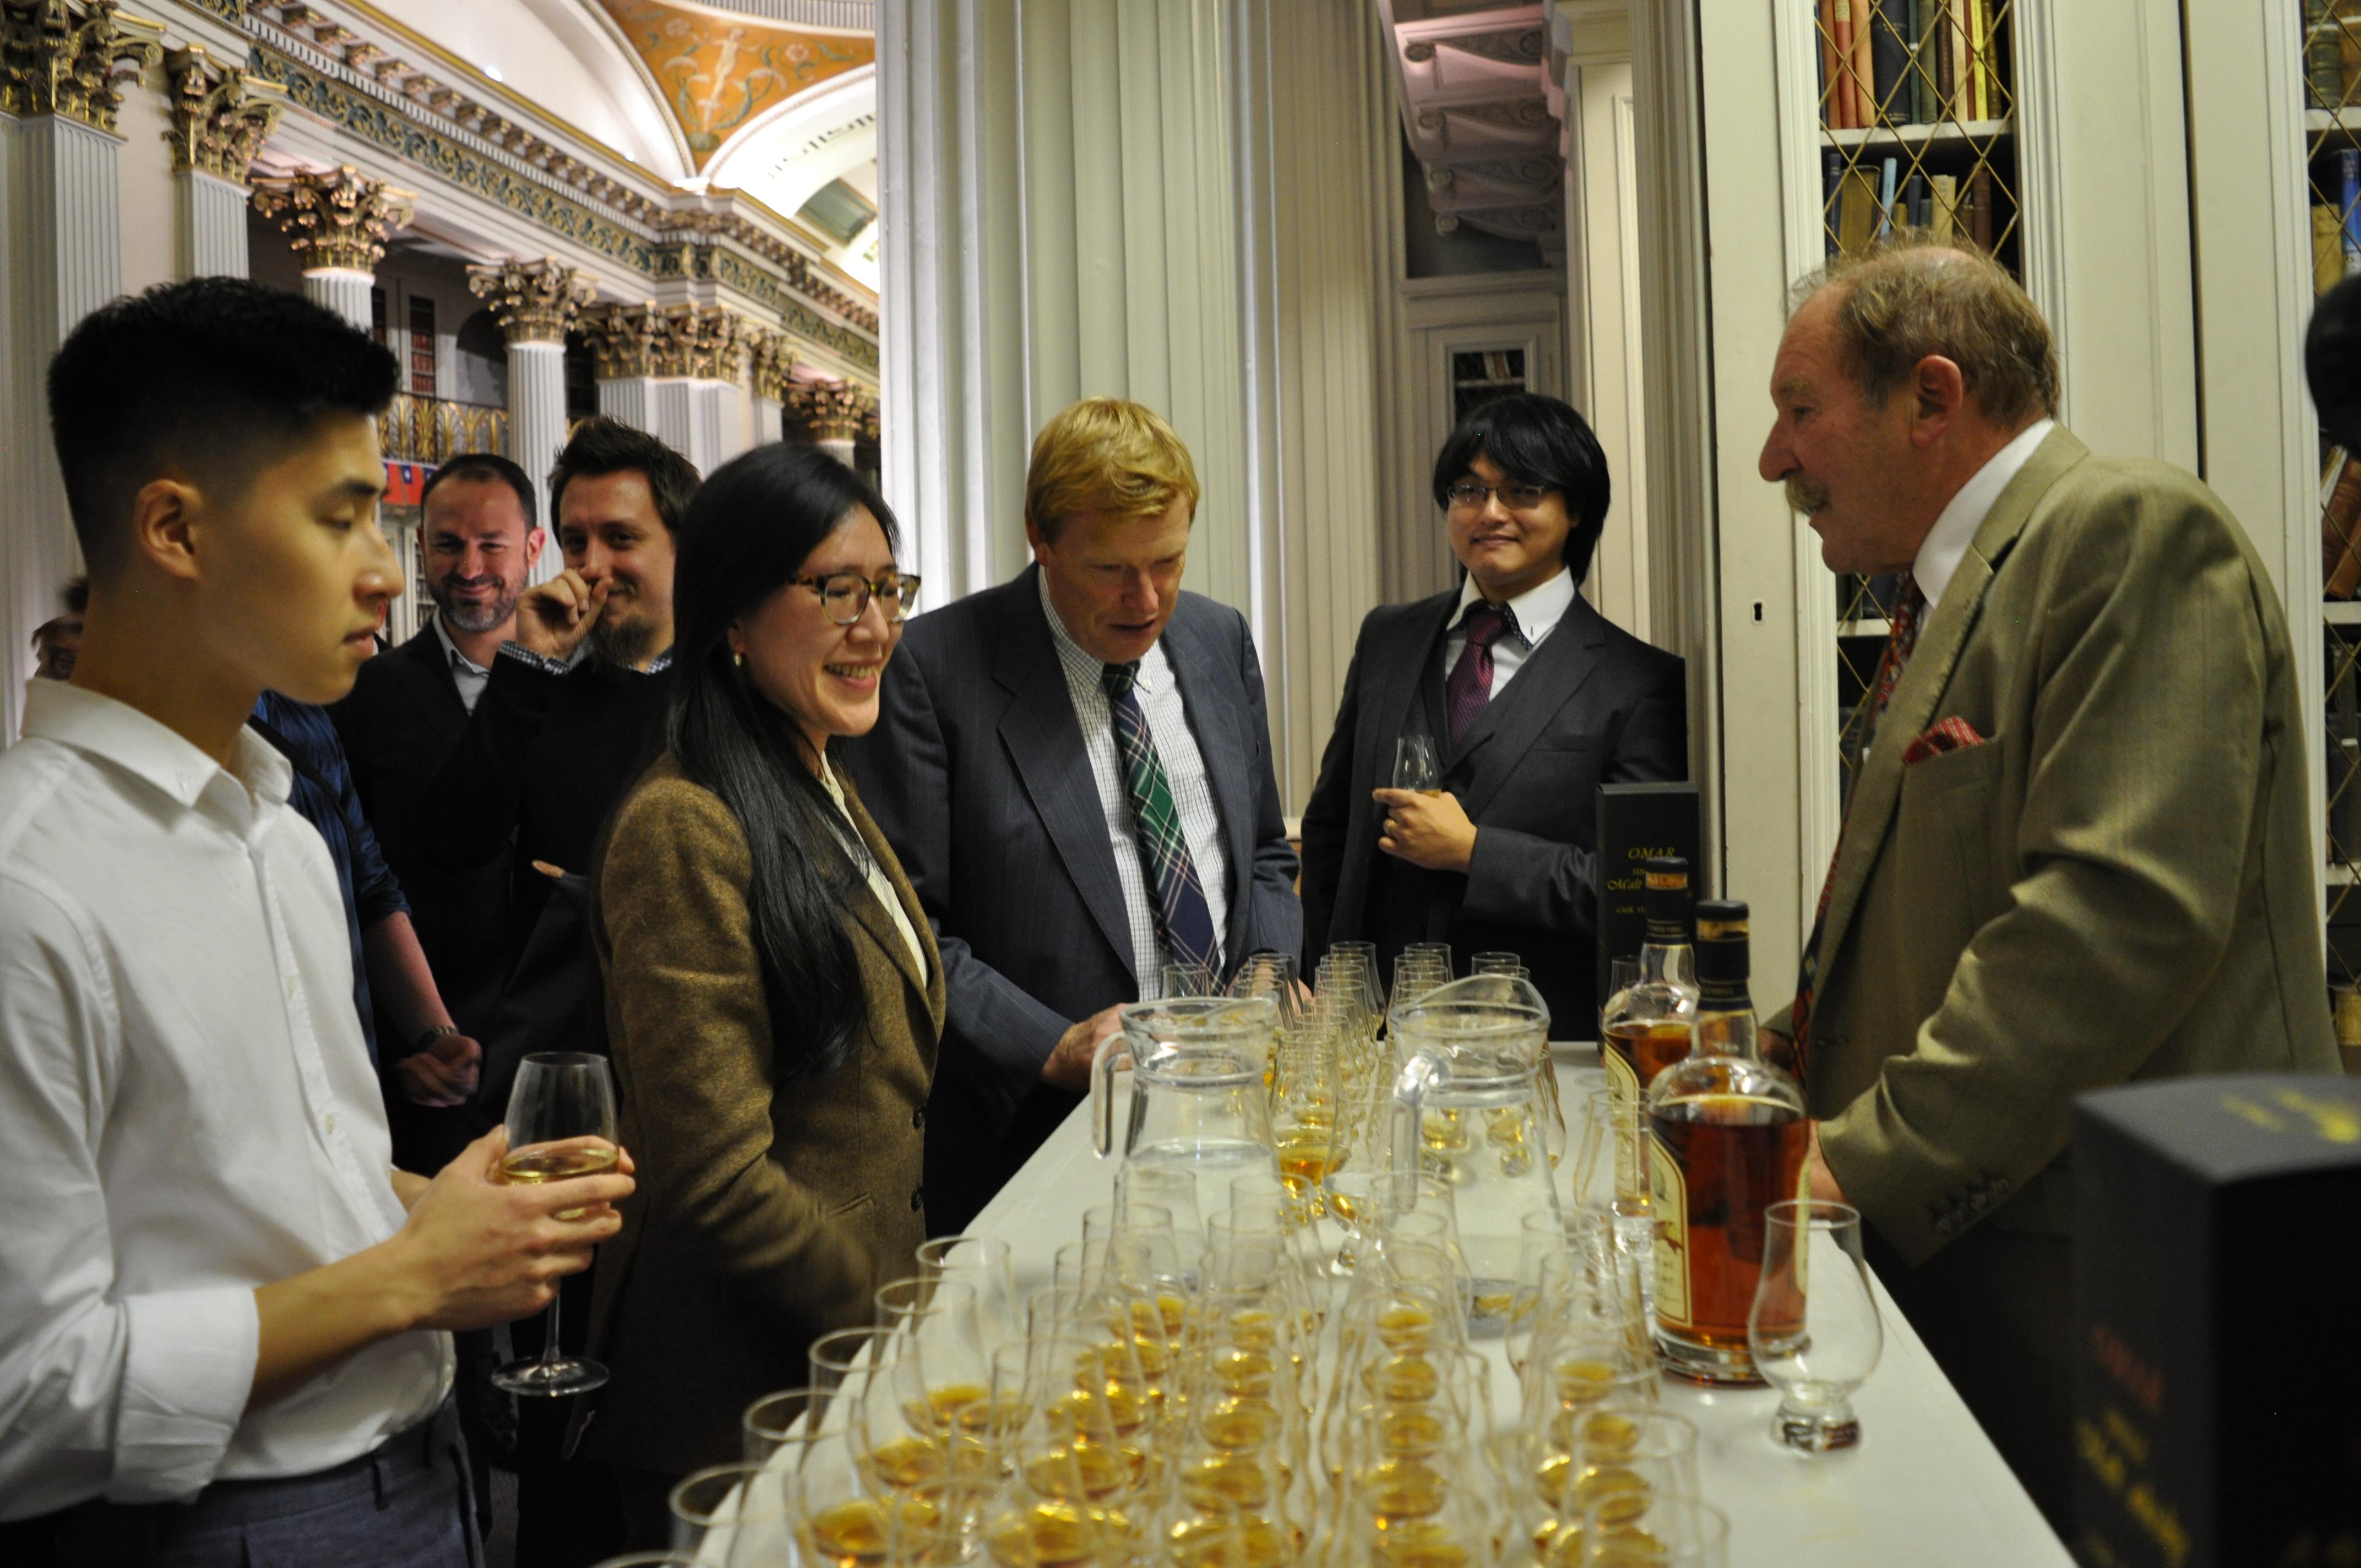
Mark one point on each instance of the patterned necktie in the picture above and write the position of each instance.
(1469, 685)
(1900, 638)
(1184, 922)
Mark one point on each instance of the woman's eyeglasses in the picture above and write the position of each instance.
(844, 596)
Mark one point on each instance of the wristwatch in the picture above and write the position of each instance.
(433, 1032)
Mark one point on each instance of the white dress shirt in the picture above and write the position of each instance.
(1538, 612)
(470, 676)
(880, 883)
(1946, 544)
(1184, 768)
(186, 1112)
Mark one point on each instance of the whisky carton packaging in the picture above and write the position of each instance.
(2217, 1264)
(1636, 822)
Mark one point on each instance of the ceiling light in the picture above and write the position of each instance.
(494, 72)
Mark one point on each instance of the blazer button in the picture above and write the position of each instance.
(917, 1200)
(918, 1117)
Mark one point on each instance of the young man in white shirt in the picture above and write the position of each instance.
(223, 1315)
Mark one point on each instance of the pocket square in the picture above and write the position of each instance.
(1952, 734)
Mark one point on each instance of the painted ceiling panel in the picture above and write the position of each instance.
(717, 73)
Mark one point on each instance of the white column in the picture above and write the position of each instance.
(630, 399)
(209, 227)
(220, 120)
(675, 416)
(537, 426)
(838, 447)
(766, 423)
(719, 408)
(343, 290)
(64, 259)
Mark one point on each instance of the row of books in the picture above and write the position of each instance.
(1862, 202)
(2332, 51)
(1910, 62)
(2340, 526)
(2336, 230)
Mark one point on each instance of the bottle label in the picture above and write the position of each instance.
(1669, 1202)
(1623, 1087)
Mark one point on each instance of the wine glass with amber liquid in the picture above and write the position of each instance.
(561, 1125)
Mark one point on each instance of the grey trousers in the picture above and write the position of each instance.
(408, 1505)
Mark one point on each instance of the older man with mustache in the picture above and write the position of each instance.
(2079, 848)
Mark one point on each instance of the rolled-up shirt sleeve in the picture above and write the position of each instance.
(135, 1398)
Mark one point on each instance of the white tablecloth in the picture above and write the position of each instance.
(1924, 1489)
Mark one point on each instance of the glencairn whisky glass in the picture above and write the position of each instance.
(1815, 1330)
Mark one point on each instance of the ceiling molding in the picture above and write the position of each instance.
(1476, 109)
(858, 16)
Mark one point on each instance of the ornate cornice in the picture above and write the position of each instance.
(337, 219)
(836, 411)
(772, 356)
(221, 116)
(701, 342)
(57, 59)
(534, 301)
(387, 126)
(1516, 46)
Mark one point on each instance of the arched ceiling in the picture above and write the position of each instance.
(778, 98)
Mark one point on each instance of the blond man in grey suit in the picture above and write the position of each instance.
(2079, 849)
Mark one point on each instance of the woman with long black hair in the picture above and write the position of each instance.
(774, 995)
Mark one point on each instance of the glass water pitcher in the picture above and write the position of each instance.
(1470, 1108)
(1199, 1101)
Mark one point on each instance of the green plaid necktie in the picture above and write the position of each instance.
(1184, 922)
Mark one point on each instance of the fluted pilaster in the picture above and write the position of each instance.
(221, 116)
(536, 303)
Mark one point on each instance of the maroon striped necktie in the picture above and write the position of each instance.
(1469, 685)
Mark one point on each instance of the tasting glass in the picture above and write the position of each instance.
(705, 1508)
(1667, 1532)
(1304, 1103)
(1814, 1331)
(940, 1345)
(561, 1124)
(843, 1357)
(1173, 1189)
(1414, 764)
(1180, 981)
(783, 1419)
(1510, 964)
(1147, 1225)
(1271, 974)
(984, 1263)
(836, 1514)
(1347, 1192)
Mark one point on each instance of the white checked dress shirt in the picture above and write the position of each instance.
(1184, 767)
(186, 1112)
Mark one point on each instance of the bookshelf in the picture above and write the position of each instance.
(2331, 84)
(1915, 115)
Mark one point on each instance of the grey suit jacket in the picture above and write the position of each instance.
(977, 774)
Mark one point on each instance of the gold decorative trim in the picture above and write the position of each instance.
(534, 301)
(221, 116)
(836, 411)
(337, 219)
(57, 60)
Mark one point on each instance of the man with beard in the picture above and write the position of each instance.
(569, 713)
(408, 710)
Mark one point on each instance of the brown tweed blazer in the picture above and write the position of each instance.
(766, 1214)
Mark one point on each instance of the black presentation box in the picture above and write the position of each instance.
(2217, 1273)
(1637, 822)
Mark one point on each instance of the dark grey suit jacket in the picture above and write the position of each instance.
(1592, 705)
(977, 774)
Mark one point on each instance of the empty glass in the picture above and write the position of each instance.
(1173, 1190)
(983, 1263)
(705, 1508)
(1414, 764)
(1815, 1330)
(778, 1421)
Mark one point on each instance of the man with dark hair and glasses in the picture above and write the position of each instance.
(1531, 700)
(224, 1314)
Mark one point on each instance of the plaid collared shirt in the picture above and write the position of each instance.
(1184, 767)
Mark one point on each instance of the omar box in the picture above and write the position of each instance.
(2217, 1296)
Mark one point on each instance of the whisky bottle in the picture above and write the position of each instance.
(1726, 1136)
(1645, 1027)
